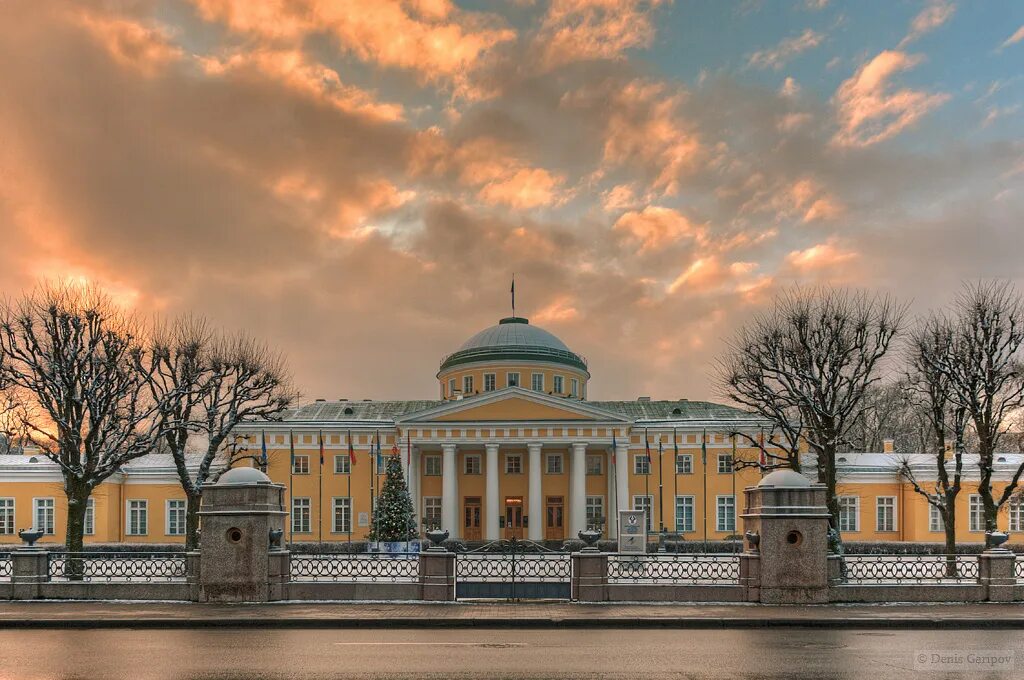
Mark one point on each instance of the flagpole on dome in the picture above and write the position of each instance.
(513, 291)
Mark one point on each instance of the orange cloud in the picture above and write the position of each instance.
(561, 309)
(1017, 36)
(931, 17)
(525, 188)
(821, 256)
(869, 111)
(777, 56)
(654, 227)
(583, 30)
(146, 49)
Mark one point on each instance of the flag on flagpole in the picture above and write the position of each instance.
(615, 449)
(647, 449)
(704, 448)
(675, 445)
(513, 291)
(380, 456)
(263, 451)
(291, 448)
(408, 450)
(321, 434)
(351, 451)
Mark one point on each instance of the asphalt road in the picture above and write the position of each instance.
(226, 654)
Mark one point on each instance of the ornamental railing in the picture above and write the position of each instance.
(117, 567)
(1018, 567)
(400, 567)
(674, 569)
(5, 565)
(521, 567)
(902, 569)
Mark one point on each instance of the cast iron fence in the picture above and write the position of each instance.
(117, 567)
(674, 569)
(900, 569)
(1018, 567)
(5, 565)
(397, 567)
(513, 569)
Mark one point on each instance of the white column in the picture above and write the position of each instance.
(450, 492)
(611, 511)
(414, 486)
(623, 468)
(578, 489)
(491, 526)
(535, 531)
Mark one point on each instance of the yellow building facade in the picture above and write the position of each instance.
(512, 448)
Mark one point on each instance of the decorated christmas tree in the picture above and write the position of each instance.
(393, 518)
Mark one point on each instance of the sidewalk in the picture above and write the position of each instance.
(38, 614)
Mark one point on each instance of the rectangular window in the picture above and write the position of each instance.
(6, 515)
(554, 463)
(490, 382)
(1017, 514)
(301, 521)
(451, 387)
(849, 513)
(537, 382)
(342, 515)
(467, 384)
(725, 514)
(574, 387)
(644, 503)
(138, 518)
(934, 518)
(176, 518)
(885, 513)
(512, 379)
(595, 512)
(42, 514)
(684, 514)
(90, 517)
(593, 465)
(641, 464)
(684, 464)
(559, 382)
(342, 464)
(431, 466)
(432, 512)
(513, 464)
(976, 513)
(472, 463)
(725, 463)
(300, 465)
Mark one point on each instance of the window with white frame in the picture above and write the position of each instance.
(490, 382)
(644, 503)
(472, 464)
(90, 517)
(725, 513)
(431, 466)
(1016, 510)
(537, 382)
(451, 387)
(301, 516)
(885, 513)
(432, 512)
(594, 465)
(342, 515)
(176, 516)
(725, 463)
(43, 514)
(934, 518)
(300, 464)
(513, 464)
(684, 464)
(467, 384)
(554, 463)
(849, 513)
(684, 514)
(6, 515)
(574, 387)
(138, 517)
(512, 379)
(641, 464)
(595, 512)
(976, 513)
(559, 384)
(342, 464)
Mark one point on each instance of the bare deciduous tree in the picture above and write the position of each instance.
(206, 385)
(806, 365)
(931, 345)
(985, 376)
(73, 354)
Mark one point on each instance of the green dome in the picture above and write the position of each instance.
(513, 338)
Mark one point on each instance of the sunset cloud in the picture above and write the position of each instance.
(655, 227)
(777, 57)
(584, 30)
(934, 15)
(1017, 37)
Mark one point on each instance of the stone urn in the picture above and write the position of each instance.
(589, 537)
(995, 539)
(437, 537)
(30, 536)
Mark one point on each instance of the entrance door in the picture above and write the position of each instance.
(514, 517)
(471, 519)
(555, 516)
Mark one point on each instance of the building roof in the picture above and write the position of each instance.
(514, 338)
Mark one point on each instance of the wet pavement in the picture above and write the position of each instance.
(229, 654)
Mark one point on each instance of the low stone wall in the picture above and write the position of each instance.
(917, 592)
(330, 590)
(115, 591)
(675, 593)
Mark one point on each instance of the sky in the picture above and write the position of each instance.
(356, 181)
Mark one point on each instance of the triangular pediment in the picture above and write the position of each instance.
(514, 404)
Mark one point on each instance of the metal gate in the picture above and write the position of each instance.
(513, 570)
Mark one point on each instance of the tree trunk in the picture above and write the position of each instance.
(74, 537)
(192, 502)
(949, 524)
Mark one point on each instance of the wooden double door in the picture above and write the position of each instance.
(471, 514)
(554, 518)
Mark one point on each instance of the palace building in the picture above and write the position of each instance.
(512, 447)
